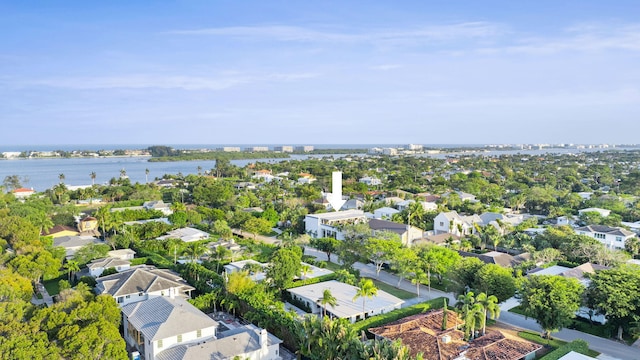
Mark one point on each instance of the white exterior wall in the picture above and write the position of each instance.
(98, 271)
(190, 337)
(314, 227)
(610, 241)
(441, 224)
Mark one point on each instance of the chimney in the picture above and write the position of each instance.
(264, 336)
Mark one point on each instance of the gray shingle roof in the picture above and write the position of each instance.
(141, 279)
(605, 230)
(162, 317)
(107, 263)
(234, 343)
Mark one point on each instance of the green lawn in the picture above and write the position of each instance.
(333, 266)
(52, 284)
(578, 324)
(402, 294)
(554, 343)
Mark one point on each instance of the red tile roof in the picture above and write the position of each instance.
(423, 333)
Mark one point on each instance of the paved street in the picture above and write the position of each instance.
(609, 348)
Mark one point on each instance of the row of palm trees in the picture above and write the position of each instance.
(93, 175)
(475, 310)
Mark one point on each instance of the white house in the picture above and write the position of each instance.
(186, 234)
(452, 223)
(346, 307)
(247, 342)
(327, 224)
(22, 193)
(612, 237)
(602, 212)
(384, 213)
(142, 283)
(236, 266)
(158, 205)
(124, 254)
(158, 324)
(98, 266)
(306, 178)
(427, 206)
(370, 181)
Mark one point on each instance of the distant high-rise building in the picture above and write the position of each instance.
(229, 149)
(284, 149)
(305, 148)
(257, 148)
(415, 147)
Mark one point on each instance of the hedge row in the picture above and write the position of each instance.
(398, 314)
(578, 345)
(319, 279)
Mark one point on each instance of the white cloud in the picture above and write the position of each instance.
(141, 81)
(302, 34)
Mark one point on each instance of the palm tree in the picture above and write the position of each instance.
(327, 299)
(123, 173)
(146, 175)
(61, 177)
(72, 266)
(366, 290)
(473, 320)
(93, 178)
(490, 306)
(305, 269)
(253, 268)
(199, 168)
(195, 250)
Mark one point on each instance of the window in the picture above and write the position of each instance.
(619, 238)
(160, 344)
(127, 297)
(441, 223)
(599, 236)
(199, 333)
(180, 338)
(120, 300)
(140, 294)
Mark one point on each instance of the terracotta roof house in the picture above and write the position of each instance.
(423, 333)
(142, 283)
(22, 193)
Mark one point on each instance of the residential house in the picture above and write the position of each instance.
(407, 234)
(98, 266)
(61, 230)
(633, 226)
(22, 193)
(328, 224)
(602, 212)
(306, 178)
(161, 323)
(158, 205)
(186, 234)
(501, 222)
(393, 200)
(312, 272)
(453, 223)
(427, 206)
(440, 239)
(579, 273)
(72, 244)
(370, 181)
(245, 185)
(247, 342)
(236, 266)
(463, 196)
(499, 258)
(142, 283)
(384, 213)
(124, 254)
(424, 333)
(353, 204)
(572, 355)
(612, 237)
(346, 307)
(88, 226)
(264, 175)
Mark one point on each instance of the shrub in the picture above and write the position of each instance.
(578, 345)
(398, 314)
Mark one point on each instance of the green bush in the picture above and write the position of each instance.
(316, 280)
(398, 314)
(138, 261)
(578, 345)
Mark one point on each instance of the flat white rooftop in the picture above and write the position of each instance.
(339, 215)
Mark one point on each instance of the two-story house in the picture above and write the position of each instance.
(612, 237)
(328, 224)
(453, 223)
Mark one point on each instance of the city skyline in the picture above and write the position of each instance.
(328, 73)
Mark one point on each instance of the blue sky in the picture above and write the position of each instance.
(429, 72)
